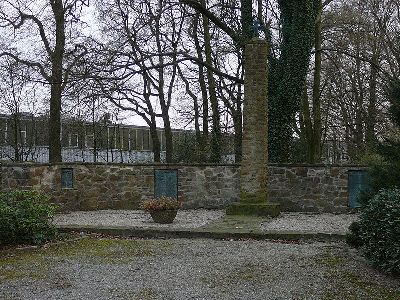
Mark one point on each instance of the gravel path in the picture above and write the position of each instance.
(311, 223)
(191, 269)
(185, 219)
(190, 219)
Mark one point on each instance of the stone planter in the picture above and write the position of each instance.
(164, 216)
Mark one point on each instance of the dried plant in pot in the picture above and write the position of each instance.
(163, 210)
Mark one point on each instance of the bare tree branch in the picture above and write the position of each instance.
(196, 5)
(29, 64)
(40, 27)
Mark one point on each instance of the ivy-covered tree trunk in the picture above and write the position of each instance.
(288, 75)
(247, 20)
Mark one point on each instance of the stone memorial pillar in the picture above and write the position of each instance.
(254, 166)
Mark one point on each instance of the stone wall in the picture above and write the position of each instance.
(123, 186)
(310, 188)
(96, 186)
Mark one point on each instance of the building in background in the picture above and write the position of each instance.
(23, 137)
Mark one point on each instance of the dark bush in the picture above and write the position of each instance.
(380, 230)
(25, 217)
(353, 238)
(384, 171)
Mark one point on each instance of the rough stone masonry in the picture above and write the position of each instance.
(253, 172)
(254, 166)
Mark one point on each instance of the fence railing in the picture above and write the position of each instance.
(41, 155)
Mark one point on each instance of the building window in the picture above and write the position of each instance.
(23, 136)
(67, 178)
(6, 133)
(89, 142)
(146, 139)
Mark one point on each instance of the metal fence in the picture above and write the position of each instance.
(41, 155)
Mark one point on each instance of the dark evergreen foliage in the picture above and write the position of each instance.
(288, 75)
(379, 229)
(385, 173)
(25, 217)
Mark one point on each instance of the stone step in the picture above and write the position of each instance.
(254, 209)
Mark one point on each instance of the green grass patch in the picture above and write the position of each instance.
(39, 263)
(246, 273)
(331, 260)
(349, 281)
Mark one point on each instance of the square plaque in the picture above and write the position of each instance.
(166, 183)
(67, 178)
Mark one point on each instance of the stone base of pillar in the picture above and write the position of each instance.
(254, 209)
(258, 197)
(254, 204)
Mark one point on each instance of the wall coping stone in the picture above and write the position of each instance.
(31, 164)
(170, 165)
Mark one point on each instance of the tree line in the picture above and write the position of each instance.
(330, 63)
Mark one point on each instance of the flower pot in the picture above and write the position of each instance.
(164, 216)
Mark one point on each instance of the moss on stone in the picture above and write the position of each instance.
(254, 209)
(258, 197)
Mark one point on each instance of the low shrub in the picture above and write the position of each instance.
(353, 238)
(379, 229)
(25, 217)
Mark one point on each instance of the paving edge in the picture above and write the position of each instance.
(198, 233)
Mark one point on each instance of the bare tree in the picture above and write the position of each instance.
(52, 22)
(17, 99)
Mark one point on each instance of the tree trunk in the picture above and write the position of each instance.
(56, 84)
(370, 136)
(17, 130)
(216, 129)
(315, 142)
(168, 141)
(204, 94)
(238, 126)
(306, 125)
(160, 89)
(199, 139)
(359, 126)
(156, 142)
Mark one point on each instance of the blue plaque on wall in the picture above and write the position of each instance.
(67, 178)
(166, 183)
(357, 183)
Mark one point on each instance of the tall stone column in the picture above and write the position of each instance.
(253, 172)
(254, 166)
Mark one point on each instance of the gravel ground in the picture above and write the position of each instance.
(185, 219)
(191, 269)
(190, 219)
(315, 223)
